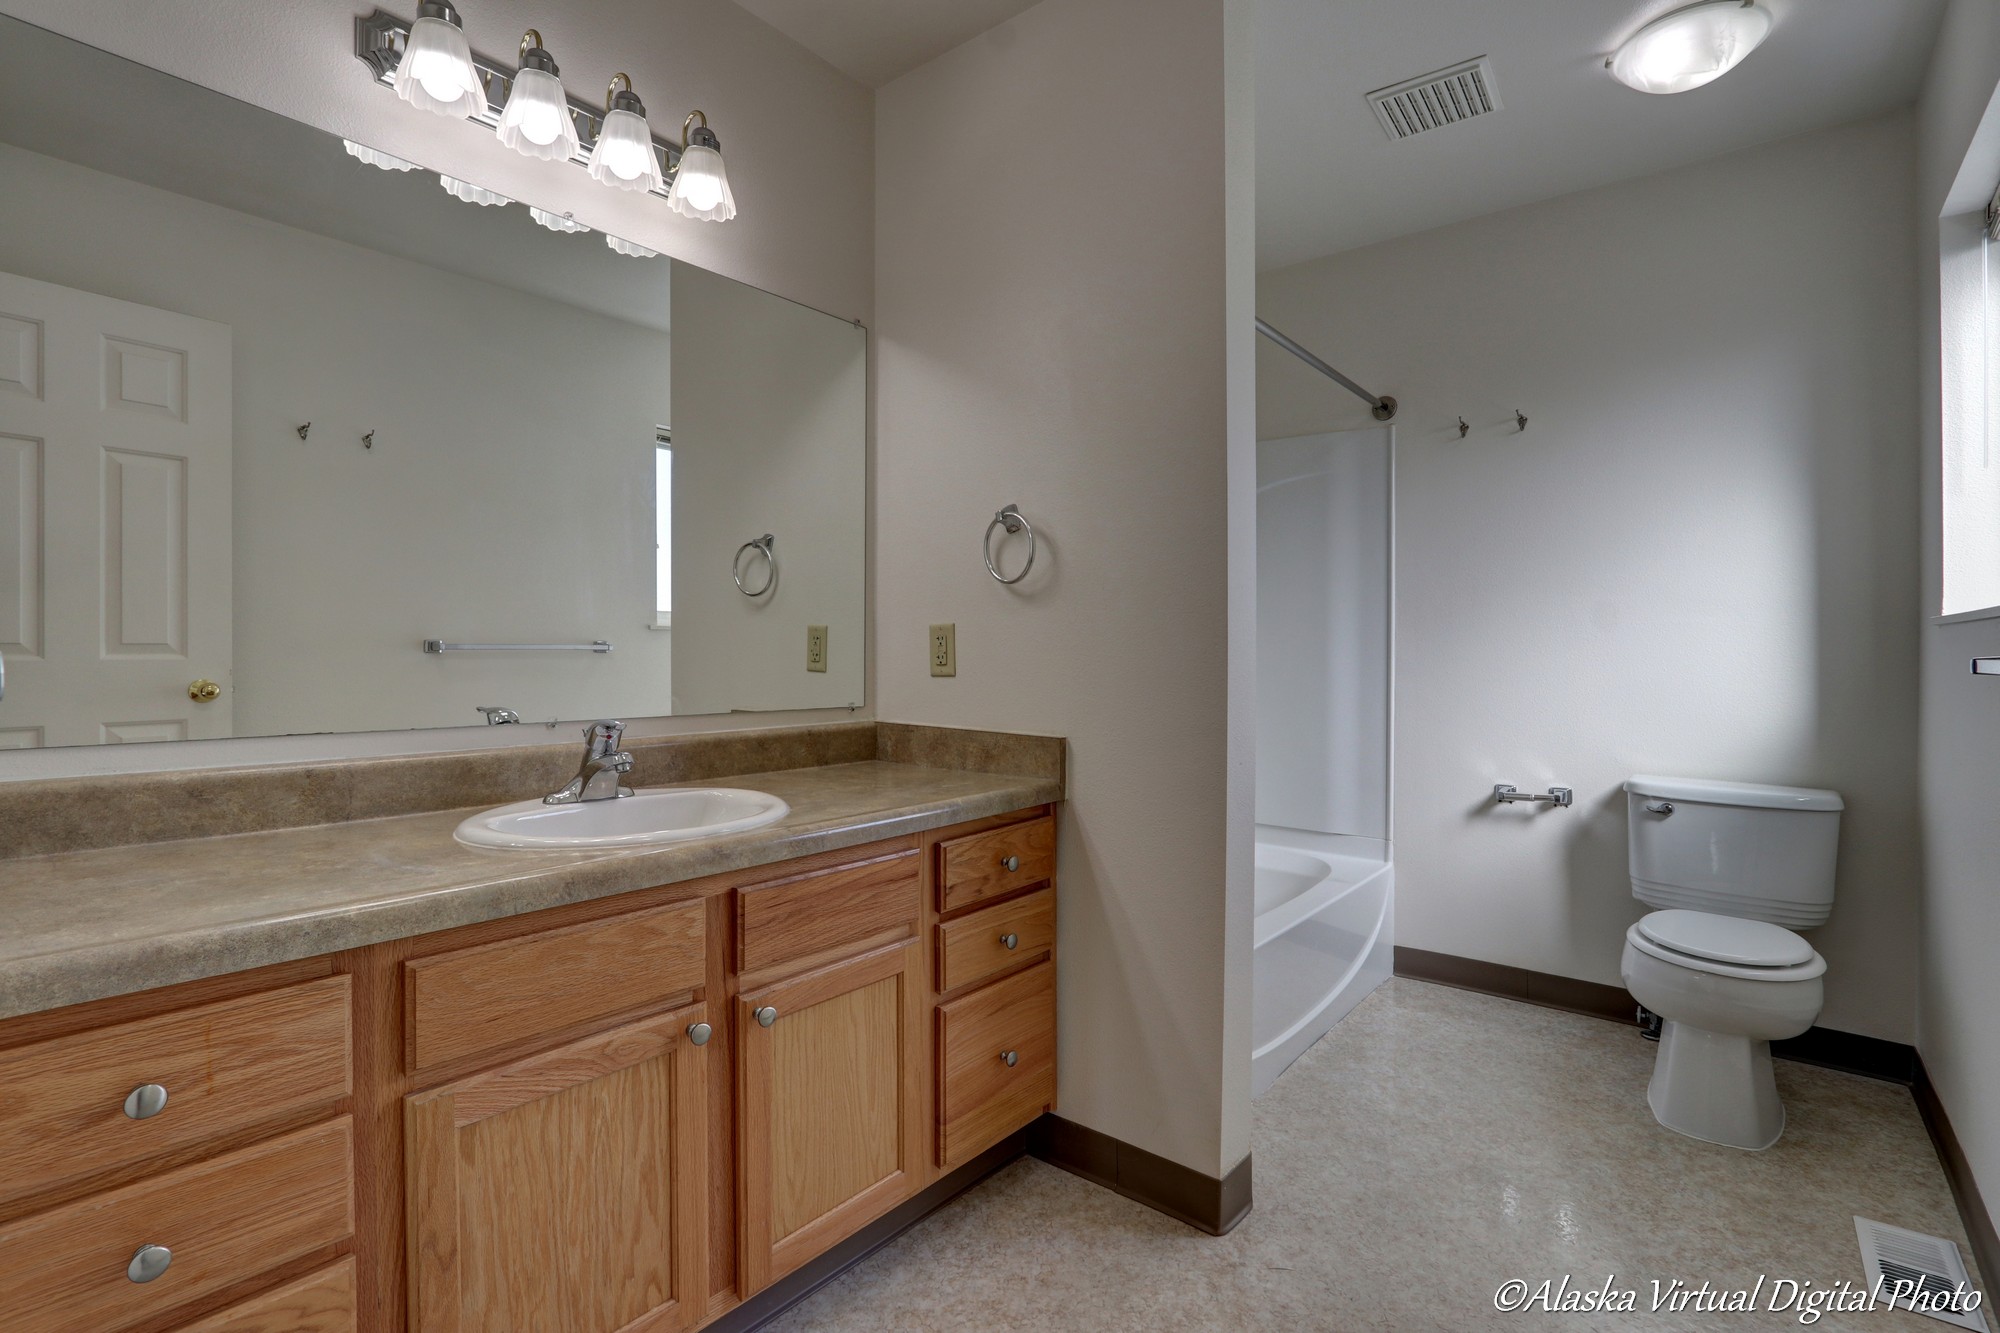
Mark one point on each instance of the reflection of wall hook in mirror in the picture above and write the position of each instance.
(368, 440)
(305, 430)
(1520, 421)
(1462, 428)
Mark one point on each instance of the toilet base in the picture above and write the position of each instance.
(1715, 1087)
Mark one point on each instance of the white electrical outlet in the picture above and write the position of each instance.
(815, 647)
(944, 650)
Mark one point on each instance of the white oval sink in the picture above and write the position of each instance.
(648, 816)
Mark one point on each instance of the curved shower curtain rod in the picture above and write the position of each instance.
(1384, 408)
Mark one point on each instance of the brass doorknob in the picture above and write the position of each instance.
(204, 691)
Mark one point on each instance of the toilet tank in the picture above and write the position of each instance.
(1733, 848)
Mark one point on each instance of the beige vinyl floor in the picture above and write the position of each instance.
(1434, 1145)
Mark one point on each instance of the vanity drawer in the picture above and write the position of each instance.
(321, 1302)
(225, 1066)
(805, 916)
(493, 999)
(223, 1221)
(993, 939)
(992, 864)
(982, 1098)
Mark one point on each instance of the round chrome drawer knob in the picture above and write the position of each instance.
(699, 1033)
(1010, 939)
(144, 1102)
(1011, 1058)
(766, 1016)
(148, 1262)
(1010, 862)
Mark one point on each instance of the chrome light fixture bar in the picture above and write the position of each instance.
(380, 39)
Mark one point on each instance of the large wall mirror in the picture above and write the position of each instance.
(292, 443)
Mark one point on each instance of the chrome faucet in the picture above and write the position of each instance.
(603, 764)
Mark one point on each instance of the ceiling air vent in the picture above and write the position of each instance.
(1436, 100)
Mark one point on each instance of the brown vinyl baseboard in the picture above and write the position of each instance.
(809, 1277)
(1849, 1052)
(1958, 1171)
(1181, 1192)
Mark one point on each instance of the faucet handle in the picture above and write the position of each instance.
(605, 736)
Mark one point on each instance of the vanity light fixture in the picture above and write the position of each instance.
(436, 73)
(556, 221)
(625, 247)
(536, 120)
(1690, 47)
(473, 194)
(701, 184)
(375, 157)
(623, 156)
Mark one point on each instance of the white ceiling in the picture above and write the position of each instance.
(1329, 179)
(875, 41)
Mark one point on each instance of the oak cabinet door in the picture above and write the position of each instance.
(831, 1106)
(567, 1192)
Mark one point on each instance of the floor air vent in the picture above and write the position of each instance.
(1919, 1272)
(1433, 101)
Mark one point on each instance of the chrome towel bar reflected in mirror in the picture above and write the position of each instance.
(440, 646)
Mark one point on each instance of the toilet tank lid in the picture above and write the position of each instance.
(1714, 791)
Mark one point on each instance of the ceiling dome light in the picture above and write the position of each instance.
(625, 247)
(701, 183)
(536, 120)
(623, 155)
(473, 194)
(375, 157)
(1691, 46)
(436, 72)
(556, 221)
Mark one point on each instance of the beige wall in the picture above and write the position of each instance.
(1055, 327)
(1958, 162)
(1699, 559)
(799, 137)
(770, 407)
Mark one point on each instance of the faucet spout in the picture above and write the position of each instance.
(597, 777)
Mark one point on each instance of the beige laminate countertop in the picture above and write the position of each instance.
(78, 926)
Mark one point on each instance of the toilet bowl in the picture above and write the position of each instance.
(1719, 1015)
(1732, 865)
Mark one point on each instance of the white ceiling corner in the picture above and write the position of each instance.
(1329, 179)
(877, 41)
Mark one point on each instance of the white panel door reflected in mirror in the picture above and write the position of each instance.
(364, 412)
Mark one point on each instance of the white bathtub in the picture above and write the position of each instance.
(1325, 934)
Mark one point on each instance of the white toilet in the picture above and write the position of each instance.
(1736, 867)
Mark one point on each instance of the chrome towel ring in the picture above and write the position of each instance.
(1013, 520)
(767, 545)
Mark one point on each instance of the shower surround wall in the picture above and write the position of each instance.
(1700, 557)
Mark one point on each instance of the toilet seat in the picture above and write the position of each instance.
(1726, 946)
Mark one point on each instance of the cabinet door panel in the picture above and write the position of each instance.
(566, 1193)
(831, 1106)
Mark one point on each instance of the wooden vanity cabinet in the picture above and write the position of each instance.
(624, 1115)
(566, 1192)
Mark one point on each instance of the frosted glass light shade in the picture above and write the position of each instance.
(1691, 47)
(701, 186)
(375, 157)
(623, 156)
(473, 194)
(556, 221)
(625, 247)
(436, 73)
(536, 120)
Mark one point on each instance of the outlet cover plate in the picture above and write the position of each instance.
(944, 650)
(815, 647)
